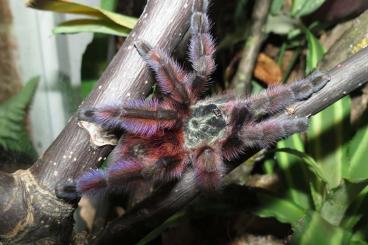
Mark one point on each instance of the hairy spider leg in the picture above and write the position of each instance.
(144, 117)
(201, 49)
(171, 78)
(273, 100)
(91, 182)
(124, 174)
(135, 160)
(120, 176)
(277, 98)
(268, 132)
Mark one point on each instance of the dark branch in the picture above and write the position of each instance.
(29, 208)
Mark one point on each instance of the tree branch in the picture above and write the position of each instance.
(29, 209)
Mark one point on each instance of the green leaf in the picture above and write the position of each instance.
(357, 157)
(64, 6)
(315, 183)
(356, 211)
(109, 5)
(315, 51)
(338, 200)
(276, 6)
(357, 242)
(328, 135)
(294, 173)
(362, 231)
(13, 133)
(91, 25)
(282, 209)
(313, 229)
(304, 7)
(312, 164)
(280, 24)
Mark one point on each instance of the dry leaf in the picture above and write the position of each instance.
(267, 70)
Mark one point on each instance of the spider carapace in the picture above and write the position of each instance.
(166, 135)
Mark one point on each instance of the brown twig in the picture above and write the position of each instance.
(242, 78)
(29, 209)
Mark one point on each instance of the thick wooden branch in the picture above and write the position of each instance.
(29, 208)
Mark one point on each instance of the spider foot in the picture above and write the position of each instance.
(319, 79)
(303, 89)
(144, 117)
(67, 190)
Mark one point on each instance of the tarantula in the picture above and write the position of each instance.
(165, 135)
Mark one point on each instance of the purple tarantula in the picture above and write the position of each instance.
(166, 135)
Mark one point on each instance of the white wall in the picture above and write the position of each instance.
(56, 59)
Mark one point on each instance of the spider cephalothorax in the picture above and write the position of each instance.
(165, 136)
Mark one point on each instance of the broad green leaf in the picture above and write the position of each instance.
(357, 157)
(294, 172)
(276, 6)
(317, 190)
(315, 182)
(362, 232)
(328, 133)
(64, 6)
(356, 211)
(281, 209)
(311, 163)
(304, 7)
(357, 242)
(338, 200)
(280, 24)
(315, 51)
(91, 25)
(313, 229)
(269, 166)
(294, 34)
(109, 5)
(13, 133)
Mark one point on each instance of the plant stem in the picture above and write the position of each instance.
(242, 79)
